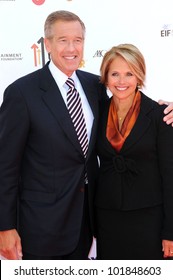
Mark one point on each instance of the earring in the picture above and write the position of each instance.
(137, 87)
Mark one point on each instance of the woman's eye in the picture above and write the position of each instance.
(129, 74)
(115, 74)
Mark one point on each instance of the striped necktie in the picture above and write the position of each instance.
(74, 106)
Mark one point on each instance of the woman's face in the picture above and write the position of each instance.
(120, 80)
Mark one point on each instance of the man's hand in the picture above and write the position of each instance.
(167, 246)
(10, 245)
(168, 110)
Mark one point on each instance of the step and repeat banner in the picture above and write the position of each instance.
(146, 24)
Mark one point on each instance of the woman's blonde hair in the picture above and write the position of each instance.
(131, 55)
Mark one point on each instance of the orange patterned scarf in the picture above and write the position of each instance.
(115, 136)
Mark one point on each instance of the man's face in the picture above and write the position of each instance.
(66, 45)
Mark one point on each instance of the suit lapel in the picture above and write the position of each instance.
(141, 124)
(55, 103)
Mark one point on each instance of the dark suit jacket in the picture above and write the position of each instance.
(141, 174)
(42, 162)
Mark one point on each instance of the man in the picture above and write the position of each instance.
(42, 164)
(46, 179)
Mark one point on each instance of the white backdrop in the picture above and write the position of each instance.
(147, 24)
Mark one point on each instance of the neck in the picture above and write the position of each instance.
(123, 105)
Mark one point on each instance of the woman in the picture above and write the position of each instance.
(134, 197)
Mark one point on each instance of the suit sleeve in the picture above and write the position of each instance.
(165, 154)
(14, 127)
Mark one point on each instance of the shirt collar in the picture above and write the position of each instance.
(59, 76)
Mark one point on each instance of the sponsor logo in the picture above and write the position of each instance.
(10, 56)
(166, 31)
(38, 2)
(39, 53)
(99, 53)
(82, 64)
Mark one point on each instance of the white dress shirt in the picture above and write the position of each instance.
(60, 79)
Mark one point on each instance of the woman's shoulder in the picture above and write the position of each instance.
(149, 103)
